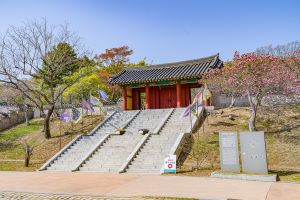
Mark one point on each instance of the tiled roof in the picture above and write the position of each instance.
(184, 70)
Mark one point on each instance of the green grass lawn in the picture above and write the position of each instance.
(12, 140)
(20, 130)
(11, 145)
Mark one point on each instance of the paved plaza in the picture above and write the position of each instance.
(119, 186)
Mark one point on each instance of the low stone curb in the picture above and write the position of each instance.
(248, 177)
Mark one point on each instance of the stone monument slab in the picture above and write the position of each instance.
(229, 154)
(253, 152)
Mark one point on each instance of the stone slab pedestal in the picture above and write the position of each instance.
(248, 177)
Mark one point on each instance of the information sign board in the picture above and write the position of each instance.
(170, 164)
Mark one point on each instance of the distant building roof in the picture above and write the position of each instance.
(184, 70)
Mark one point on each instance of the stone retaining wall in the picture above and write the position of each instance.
(222, 101)
(280, 100)
(13, 119)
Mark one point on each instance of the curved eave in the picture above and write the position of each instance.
(156, 80)
(159, 74)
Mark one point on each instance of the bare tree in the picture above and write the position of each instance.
(29, 63)
(290, 52)
(28, 150)
(285, 50)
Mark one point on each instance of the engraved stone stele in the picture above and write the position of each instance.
(229, 155)
(253, 152)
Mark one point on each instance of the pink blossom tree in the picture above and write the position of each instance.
(254, 76)
(293, 62)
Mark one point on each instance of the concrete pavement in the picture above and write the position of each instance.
(124, 185)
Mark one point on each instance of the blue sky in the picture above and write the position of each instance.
(165, 30)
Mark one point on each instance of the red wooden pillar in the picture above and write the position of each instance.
(179, 95)
(124, 98)
(148, 99)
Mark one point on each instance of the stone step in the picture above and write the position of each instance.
(102, 165)
(155, 141)
(145, 158)
(110, 155)
(147, 163)
(161, 144)
(155, 147)
(108, 170)
(60, 168)
(146, 167)
(143, 171)
(142, 159)
(67, 160)
(61, 165)
(74, 152)
(158, 141)
(154, 151)
(106, 160)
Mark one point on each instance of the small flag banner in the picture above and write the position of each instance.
(186, 112)
(95, 101)
(65, 117)
(87, 106)
(103, 95)
(198, 98)
(76, 115)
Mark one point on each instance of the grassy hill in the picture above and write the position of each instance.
(282, 133)
(13, 140)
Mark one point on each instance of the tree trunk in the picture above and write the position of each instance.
(26, 117)
(47, 123)
(42, 115)
(113, 95)
(26, 164)
(253, 110)
(232, 101)
(252, 119)
(28, 152)
(42, 112)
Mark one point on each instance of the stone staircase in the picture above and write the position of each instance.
(71, 156)
(117, 148)
(150, 158)
(104, 151)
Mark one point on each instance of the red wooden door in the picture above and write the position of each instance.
(168, 97)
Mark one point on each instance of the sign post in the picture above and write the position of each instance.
(170, 164)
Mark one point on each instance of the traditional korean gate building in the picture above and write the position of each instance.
(170, 85)
(167, 85)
